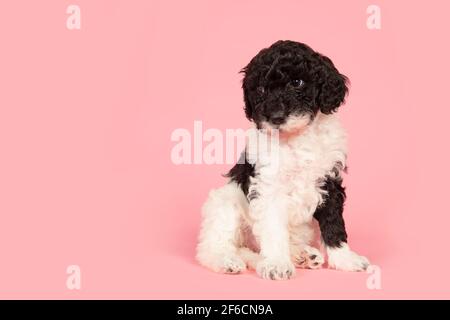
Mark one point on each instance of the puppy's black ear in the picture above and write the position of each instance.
(332, 87)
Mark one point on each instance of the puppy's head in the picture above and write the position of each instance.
(287, 84)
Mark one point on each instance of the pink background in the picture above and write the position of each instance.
(85, 124)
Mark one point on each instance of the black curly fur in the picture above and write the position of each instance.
(241, 173)
(270, 75)
(329, 214)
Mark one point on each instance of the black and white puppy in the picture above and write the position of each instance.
(272, 202)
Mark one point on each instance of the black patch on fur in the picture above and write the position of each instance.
(330, 213)
(241, 173)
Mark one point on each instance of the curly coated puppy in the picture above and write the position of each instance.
(263, 218)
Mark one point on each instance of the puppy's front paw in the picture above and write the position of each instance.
(275, 269)
(232, 265)
(308, 258)
(346, 260)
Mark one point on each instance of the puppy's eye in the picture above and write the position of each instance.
(260, 90)
(297, 83)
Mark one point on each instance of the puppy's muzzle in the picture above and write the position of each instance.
(275, 112)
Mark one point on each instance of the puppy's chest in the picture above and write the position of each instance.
(303, 166)
(310, 158)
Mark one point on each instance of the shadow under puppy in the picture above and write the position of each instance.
(294, 91)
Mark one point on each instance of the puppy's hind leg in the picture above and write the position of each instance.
(220, 232)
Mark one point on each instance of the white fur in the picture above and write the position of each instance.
(220, 238)
(342, 258)
(279, 219)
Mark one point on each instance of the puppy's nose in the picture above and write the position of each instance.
(277, 118)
